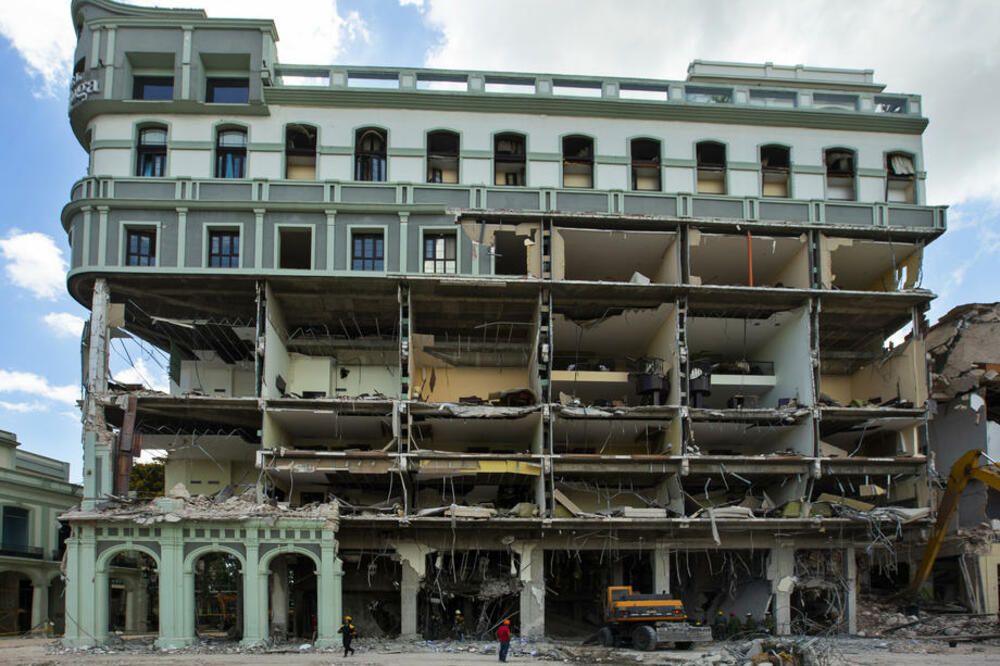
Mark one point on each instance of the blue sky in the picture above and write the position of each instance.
(943, 51)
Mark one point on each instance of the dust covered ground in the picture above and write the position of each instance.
(873, 651)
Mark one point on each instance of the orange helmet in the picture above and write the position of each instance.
(506, 621)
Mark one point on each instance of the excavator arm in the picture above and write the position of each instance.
(965, 469)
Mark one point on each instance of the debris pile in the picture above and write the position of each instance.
(225, 505)
(879, 618)
(961, 346)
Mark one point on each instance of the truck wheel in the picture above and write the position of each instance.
(644, 638)
(683, 645)
(605, 637)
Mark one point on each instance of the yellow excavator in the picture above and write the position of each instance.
(964, 470)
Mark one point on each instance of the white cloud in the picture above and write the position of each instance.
(939, 50)
(140, 373)
(13, 381)
(24, 407)
(313, 31)
(42, 33)
(419, 4)
(35, 263)
(64, 324)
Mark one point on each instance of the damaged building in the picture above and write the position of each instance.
(488, 342)
(964, 357)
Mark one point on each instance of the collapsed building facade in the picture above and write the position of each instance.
(490, 342)
(964, 357)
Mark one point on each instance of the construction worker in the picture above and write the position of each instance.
(719, 628)
(750, 624)
(734, 625)
(503, 635)
(458, 626)
(349, 631)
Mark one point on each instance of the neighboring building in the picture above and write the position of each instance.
(487, 341)
(34, 491)
(964, 351)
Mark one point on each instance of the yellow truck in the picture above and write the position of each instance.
(647, 620)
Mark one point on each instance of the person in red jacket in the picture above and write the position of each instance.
(503, 635)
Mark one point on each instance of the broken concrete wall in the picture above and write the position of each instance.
(867, 265)
(956, 429)
(901, 376)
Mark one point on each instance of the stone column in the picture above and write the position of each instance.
(413, 561)
(131, 615)
(39, 605)
(328, 592)
(254, 597)
(279, 598)
(171, 591)
(781, 572)
(661, 569)
(851, 602)
(532, 572)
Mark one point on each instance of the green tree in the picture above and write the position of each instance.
(147, 479)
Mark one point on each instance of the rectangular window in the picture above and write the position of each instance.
(368, 252)
(153, 87)
(228, 91)
(439, 253)
(295, 248)
(140, 247)
(231, 154)
(15, 528)
(224, 248)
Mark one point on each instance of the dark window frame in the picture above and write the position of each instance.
(237, 154)
(637, 164)
(371, 160)
(226, 252)
(517, 157)
(137, 253)
(439, 157)
(151, 158)
(440, 265)
(216, 85)
(775, 163)
(300, 152)
(368, 251)
(710, 164)
(141, 82)
(582, 158)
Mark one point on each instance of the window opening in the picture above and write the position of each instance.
(901, 178)
(228, 91)
(300, 152)
(80, 66)
(442, 157)
(578, 161)
(509, 159)
(368, 252)
(15, 528)
(439, 253)
(153, 87)
(369, 155)
(295, 249)
(231, 154)
(140, 247)
(708, 95)
(840, 174)
(832, 101)
(646, 165)
(224, 248)
(151, 153)
(775, 168)
(711, 158)
(772, 98)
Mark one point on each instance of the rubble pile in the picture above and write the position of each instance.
(225, 505)
(884, 619)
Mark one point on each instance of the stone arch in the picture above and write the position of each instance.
(104, 559)
(102, 596)
(189, 601)
(274, 598)
(287, 549)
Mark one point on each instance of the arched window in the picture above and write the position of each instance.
(775, 171)
(901, 175)
(369, 154)
(578, 161)
(645, 164)
(509, 159)
(300, 152)
(151, 152)
(442, 157)
(840, 174)
(711, 158)
(231, 153)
